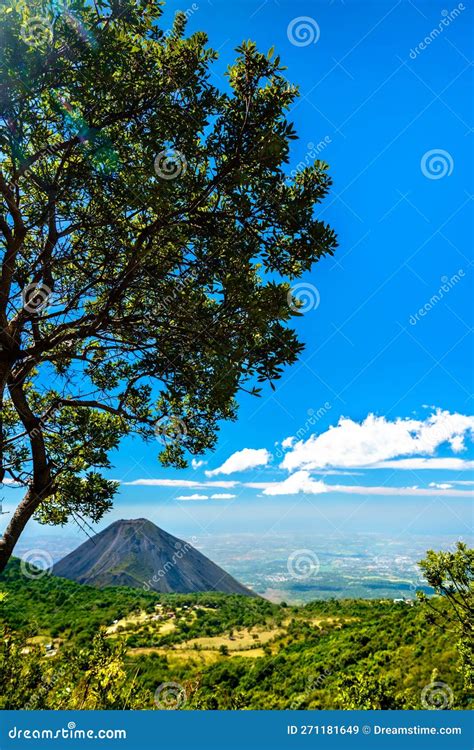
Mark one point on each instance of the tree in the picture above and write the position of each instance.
(94, 678)
(451, 575)
(150, 237)
(21, 672)
(367, 692)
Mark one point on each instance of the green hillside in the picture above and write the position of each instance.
(112, 648)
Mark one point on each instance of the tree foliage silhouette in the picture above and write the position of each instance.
(150, 239)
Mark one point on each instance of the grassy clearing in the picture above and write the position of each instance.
(40, 640)
(175, 657)
(240, 641)
(129, 624)
(193, 657)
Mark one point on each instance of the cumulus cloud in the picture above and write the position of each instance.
(301, 481)
(376, 441)
(457, 443)
(247, 458)
(192, 497)
(197, 464)
(222, 496)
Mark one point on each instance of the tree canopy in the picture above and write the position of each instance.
(150, 239)
(451, 574)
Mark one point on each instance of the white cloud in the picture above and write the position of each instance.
(450, 464)
(298, 482)
(162, 483)
(229, 483)
(338, 472)
(247, 458)
(192, 497)
(457, 443)
(401, 491)
(215, 496)
(197, 464)
(302, 482)
(190, 483)
(441, 486)
(376, 440)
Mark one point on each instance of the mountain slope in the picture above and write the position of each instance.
(137, 553)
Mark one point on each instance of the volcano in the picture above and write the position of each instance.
(137, 553)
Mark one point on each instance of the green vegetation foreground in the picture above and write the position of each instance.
(72, 646)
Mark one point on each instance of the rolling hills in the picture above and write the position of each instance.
(225, 651)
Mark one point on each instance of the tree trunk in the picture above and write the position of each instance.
(41, 486)
(17, 524)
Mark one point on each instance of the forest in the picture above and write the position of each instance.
(66, 645)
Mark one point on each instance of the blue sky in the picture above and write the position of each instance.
(393, 118)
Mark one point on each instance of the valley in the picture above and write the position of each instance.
(222, 651)
(351, 566)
